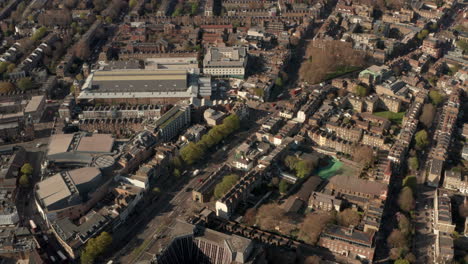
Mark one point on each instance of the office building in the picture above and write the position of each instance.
(226, 62)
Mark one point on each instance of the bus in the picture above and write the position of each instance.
(61, 255)
(33, 225)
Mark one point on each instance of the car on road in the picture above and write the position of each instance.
(188, 189)
(38, 145)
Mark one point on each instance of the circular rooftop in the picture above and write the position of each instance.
(104, 161)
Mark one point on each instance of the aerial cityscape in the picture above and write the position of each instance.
(234, 131)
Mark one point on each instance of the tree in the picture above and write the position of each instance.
(24, 180)
(275, 181)
(25, 84)
(421, 139)
(364, 155)
(348, 217)
(423, 34)
(304, 168)
(427, 116)
(411, 182)
(132, 3)
(70, 4)
(436, 97)
(194, 8)
(108, 19)
(404, 224)
(401, 261)
(279, 82)
(406, 199)
(95, 247)
(191, 153)
(176, 172)
(397, 239)
(361, 90)
(6, 87)
(313, 225)
(40, 33)
(271, 216)
(225, 185)
(249, 216)
(27, 169)
(413, 163)
(283, 186)
(312, 260)
(463, 45)
(410, 257)
(463, 210)
(333, 58)
(232, 123)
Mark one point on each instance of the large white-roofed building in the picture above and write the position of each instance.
(136, 86)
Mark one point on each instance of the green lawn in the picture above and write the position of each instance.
(342, 70)
(392, 116)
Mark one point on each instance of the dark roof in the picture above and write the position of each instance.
(344, 234)
(139, 81)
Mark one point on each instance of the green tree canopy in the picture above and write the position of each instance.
(27, 169)
(436, 97)
(95, 247)
(413, 163)
(411, 182)
(195, 151)
(191, 153)
(225, 185)
(421, 139)
(401, 261)
(194, 8)
(423, 34)
(303, 168)
(24, 180)
(40, 33)
(25, 84)
(283, 186)
(361, 90)
(132, 3)
(463, 45)
(406, 199)
(279, 82)
(4, 66)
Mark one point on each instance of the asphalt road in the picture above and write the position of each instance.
(173, 203)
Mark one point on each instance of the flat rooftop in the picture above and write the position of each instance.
(83, 175)
(116, 81)
(53, 189)
(59, 143)
(99, 143)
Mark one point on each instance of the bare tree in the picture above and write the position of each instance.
(397, 239)
(364, 155)
(348, 217)
(313, 225)
(312, 260)
(270, 216)
(249, 216)
(406, 199)
(329, 57)
(427, 115)
(463, 210)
